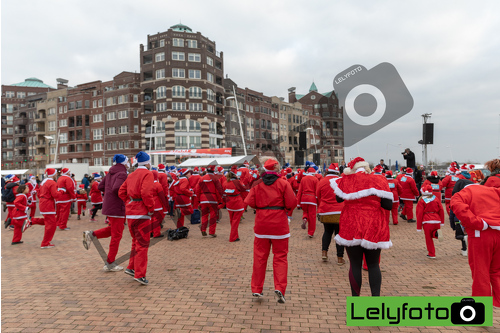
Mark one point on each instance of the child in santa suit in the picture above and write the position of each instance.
(306, 197)
(396, 192)
(183, 194)
(435, 182)
(430, 217)
(95, 197)
(234, 191)
(19, 216)
(271, 197)
(81, 200)
(448, 183)
(478, 209)
(408, 193)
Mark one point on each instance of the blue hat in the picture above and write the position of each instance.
(143, 158)
(9, 177)
(154, 168)
(120, 159)
(172, 167)
(315, 167)
(97, 176)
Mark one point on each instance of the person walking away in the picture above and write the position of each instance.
(329, 213)
(86, 183)
(493, 180)
(363, 226)
(234, 191)
(163, 179)
(161, 206)
(114, 208)
(9, 196)
(95, 197)
(209, 191)
(448, 184)
(430, 217)
(435, 182)
(63, 204)
(272, 198)
(19, 217)
(183, 194)
(396, 189)
(137, 193)
(408, 193)
(306, 197)
(32, 194)
(478, 209)
(81, 200)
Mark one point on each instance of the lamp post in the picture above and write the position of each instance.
(239, 120)
(153, 129)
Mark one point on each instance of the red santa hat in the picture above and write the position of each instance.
(334, 167)
(184, 171)
(271, 164)
(65, 171)
(246, 163)
(15, 179)
(355, 164)
(196, 170)
(234, 170)
(426, 189)
(220, 169)
(211, 168)
(434, 174)
(472, 166)
(50, 172)
(464, 167)
(454, 165)
(311, 171)
(388, 174)
(377, 169)
(81, 186)
(409, 171)
(203, 169)
(289, 170)
(161, 167)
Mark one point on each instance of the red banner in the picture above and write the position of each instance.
(196, 152)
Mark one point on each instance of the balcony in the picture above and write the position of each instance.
(20, 121)
(40, 117)
(20, 132)
(40, 143)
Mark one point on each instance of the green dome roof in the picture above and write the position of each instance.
(181, 27)
(32, 82)
(313, 88)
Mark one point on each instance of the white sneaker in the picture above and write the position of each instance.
(112, 268)
(439, 234)
(87, 239)
(464, 253)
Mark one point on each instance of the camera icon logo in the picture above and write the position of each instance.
(372, 99)
(467, 312)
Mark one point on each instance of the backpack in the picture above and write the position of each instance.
(175, 234)
(8, 194)
(196, 217)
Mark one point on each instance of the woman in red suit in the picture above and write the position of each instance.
(493, 180)
(234, 189)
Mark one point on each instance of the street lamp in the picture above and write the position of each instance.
(153, 130)
(239, 119)
(314, 138)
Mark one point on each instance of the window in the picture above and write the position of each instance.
(94, 104)
(178, 42)
(195, 92)
(161, 92)
(178, 91)
(160, 56)
(63, 150)
(99, 103)
(210, 77)
(160, 73)
(98, 161)
(194, 74)
(111, 116)
(136, 113)
(21, 94)
(210, 95)
(178, 72)
(120, 99)
(136, 144)
(192, 43)
(195, 142)
(63, 122)
(123, 129)
(136, 128)
(71, 105)
(52, 126)
(109, 101)
(111, 130)
(181, 142)
(160, 107)
(98, 134)
(162, 42)
(98, 146)
(120, 145)
(97, 118)
(114, 146)
(9, 94)
(178, 56)
(63, 138)
(122, 114)
(136, 98)
(210, 61)
(210, 109)
(60, 109)
(108, 146)
(79, 104)
(179, 106)
(194, 57)
(195, 107)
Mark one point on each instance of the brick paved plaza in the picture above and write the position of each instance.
(203, 284)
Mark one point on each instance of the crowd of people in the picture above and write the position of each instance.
(353, 202)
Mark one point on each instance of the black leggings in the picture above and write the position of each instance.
(355, 254)
(95, 209)
(330, 230)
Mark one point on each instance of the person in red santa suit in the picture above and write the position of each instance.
(463, 172)
(161, 205)
(435, 182)
(448, 184)
(478, 209)
(408, 193)
(163, 180)
(12, 182)
(396, 189)
(183, 194)
(209, 191)
(233, 190)
(95, 197)
(377, 170)
(363, 226)
(272, 198)
(329, 212)
(137, 193)
(306, 197)
(19, 214)
(32, 195)
(493, 180)
(430, 216)
(245, 179)
(193, 181)
(63, 204)
(48, 195)
(219, 175)
(81, 200)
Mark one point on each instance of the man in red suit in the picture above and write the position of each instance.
(306, 197)
(209, 192)
(183, 194)
(63, 204)
(408, 193)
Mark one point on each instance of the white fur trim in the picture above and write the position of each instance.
(330, 213)
(144, 163)
(360, 194)
(495, 227)
(308, 203)
(235, 210)
(273, 236)
(137, 217)
(363, 243)
(432, 222)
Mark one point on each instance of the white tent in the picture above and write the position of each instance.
(13, 172)
(192, 162)
(222, 161)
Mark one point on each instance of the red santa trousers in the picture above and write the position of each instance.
(9, 212)
(81, 204)
(184, 211)
(157, 218)
(430, 234)
(18, 229)
(195, 201)
(393, 212)
(50, 223)
(261, 249)
(140, 230)
(115, 231)
(234, 219)
(209, 210)
(408, 209)
(447, 204)
(62, 210)
(484, 262)
(310, 215)
(32, 210)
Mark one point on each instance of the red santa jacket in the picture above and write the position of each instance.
(161, 203)
(408, 188)
(163, 180)
(95, 193)
(33, 192)
(137, 193)
(209, 190)
(66, 186)
(436, 188)
(477, 207)
(326, 197)
(21, 207)
(493, 181)
(307, 190)
(81, 197)
(48, 195)
(429, 210)
(193, 181)
(449, 183)
(395, 187)
(183, 192)
(272, 197)
(232, 191)
(318, 175)
(245, 177)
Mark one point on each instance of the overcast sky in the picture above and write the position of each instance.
(446, 52)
